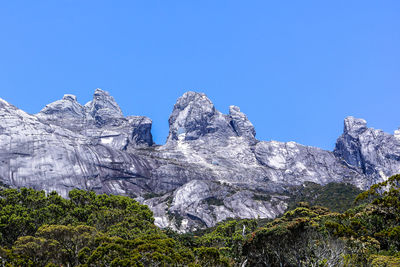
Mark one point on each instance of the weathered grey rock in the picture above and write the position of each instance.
(103, 109)
(292, 163)
(375, 152)
(45, 156)
(210, 169)
(66, 112)
(194, 116)
(241, 124)
(397, 133)
(101, 120)
(201, 203)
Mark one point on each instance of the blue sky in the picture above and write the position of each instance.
(296, 68)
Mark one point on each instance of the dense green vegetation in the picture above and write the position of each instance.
(86, 230)
(334, 196)
(101, 230)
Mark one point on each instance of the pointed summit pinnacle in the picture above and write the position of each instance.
(241, 124)
(103, 108)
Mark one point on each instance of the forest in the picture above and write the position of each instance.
(89, 229)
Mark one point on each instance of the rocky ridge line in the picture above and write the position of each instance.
(211, 168)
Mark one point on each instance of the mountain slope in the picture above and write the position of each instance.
(211, 168)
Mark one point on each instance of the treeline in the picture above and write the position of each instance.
(85, 230)
(334, 196)
(104, 230)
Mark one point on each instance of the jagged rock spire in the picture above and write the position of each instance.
(70, 97)
(354, 126)
(397, 133)
(66, 111)
(100, 119)
(193, 116)
(103, 108)
(217, 162)
(241, 124)
(348, 145)
(375, 152)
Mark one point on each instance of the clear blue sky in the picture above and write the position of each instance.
(296, 68)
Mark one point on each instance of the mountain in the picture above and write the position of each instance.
(211, 167)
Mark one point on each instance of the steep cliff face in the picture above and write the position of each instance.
(61, 148)
(101, 120)
(194, 117)
(375, 152)
(211, 168)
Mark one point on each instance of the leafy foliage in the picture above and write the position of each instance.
(366, 235)
(214, 201)
(87, 229)
(336, 196)
(101, 230)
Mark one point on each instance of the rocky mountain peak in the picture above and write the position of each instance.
(348, 145)
(397, 133)
(354, 126)
(101, 120)
(241, 124)
(3, 103)
(103, 108)
(375, 152)
(210, 169)
(234, 109)
(193, 98)
(70, 97)
(194, 116)
(66, 111)
(191, 116)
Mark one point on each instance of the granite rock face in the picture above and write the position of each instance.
(101, 119)
(241, 124)
(194, 116)
(103, 109)
(42, 155)
(373, 151)
(211, 168)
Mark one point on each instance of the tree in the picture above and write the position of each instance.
(35, 251)
(70, 239)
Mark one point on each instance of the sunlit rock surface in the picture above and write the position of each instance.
(211, 168)
(374, 152)
(101, 119)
